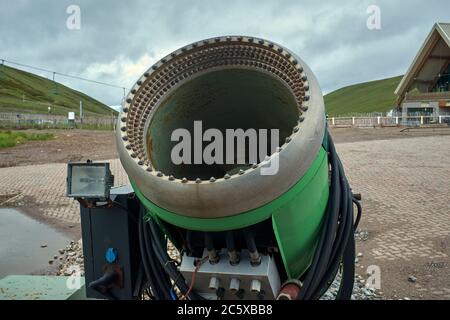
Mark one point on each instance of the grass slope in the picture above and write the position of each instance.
(12, 138)
(367, 97)
(39, 93)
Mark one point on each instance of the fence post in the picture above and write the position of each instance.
(396, 120)
(332, 121)
(379, 120)
(421, 119)
(440, 119)
(353, 121)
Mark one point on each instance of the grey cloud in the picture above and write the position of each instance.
(330, 36)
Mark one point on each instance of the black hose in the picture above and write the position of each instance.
(255, 257)
(358, 216)
(209, 244)
(336, 244)
(165, 262)
(101, 285)
(104, 281)
(231, 247)
(158, 273)
(156, 289)
(156, 276)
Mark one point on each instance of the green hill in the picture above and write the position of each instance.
(367, 97)
(24, 92)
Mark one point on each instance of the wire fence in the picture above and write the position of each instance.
(389, 121)
(48, 121)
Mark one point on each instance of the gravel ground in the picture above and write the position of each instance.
(72, 256)
(360, 291)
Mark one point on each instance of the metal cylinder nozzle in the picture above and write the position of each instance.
(252, 83)
(232, 253)
(213, 256)
(234, 257)
(255, 256)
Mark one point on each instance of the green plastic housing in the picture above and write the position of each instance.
(296, 217)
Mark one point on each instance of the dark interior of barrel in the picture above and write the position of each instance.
(220, 99)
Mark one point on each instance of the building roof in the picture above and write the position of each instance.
(433, 56)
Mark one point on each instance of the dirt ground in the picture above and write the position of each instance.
(67, 145)
(81, 145)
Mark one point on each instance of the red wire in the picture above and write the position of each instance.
(191, 286)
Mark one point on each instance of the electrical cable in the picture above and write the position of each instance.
(61, 74)
(160, 276)
(336, 245)
(156, 290)
(197, 267)
(163, 257)
(157, 264)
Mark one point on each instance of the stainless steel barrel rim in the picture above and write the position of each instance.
(247, 189)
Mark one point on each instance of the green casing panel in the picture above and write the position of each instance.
(296, 217)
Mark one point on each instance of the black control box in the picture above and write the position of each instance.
(111, 247)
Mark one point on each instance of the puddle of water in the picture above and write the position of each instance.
(20, 243)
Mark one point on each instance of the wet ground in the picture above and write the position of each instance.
(26, 244)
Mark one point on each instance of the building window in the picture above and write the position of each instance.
(442, 85)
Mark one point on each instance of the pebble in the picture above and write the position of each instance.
(412, 279)
(361, 235)
(71, 256)
(360, 291)
(43, 246)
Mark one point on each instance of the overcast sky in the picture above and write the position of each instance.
(118, 40)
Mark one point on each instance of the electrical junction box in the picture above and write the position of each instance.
(110, 242)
